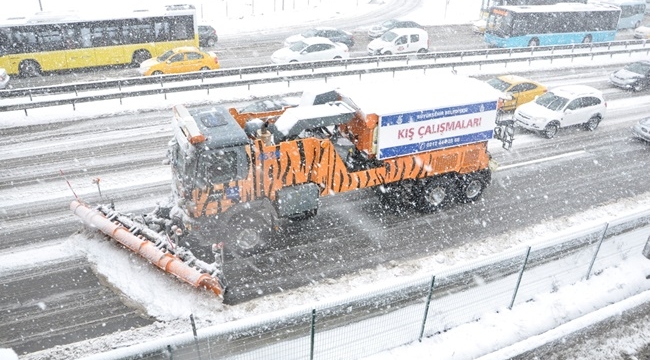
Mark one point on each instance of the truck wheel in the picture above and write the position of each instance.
(29, 68)
(392, 197)
(435, 193)
(139, 57)
(472, 187)
(248, 234)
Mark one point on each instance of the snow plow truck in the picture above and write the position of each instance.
(238, 176)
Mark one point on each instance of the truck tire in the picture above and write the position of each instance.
(29, 68)
(139, 57)
(393, 197)
(435, 193)
(247, 234)
(472, 186)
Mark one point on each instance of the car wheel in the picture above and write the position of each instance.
(638, 86)
(472, 186)
(592, 124)
(337, 58)
(422, 51)
(387, 53)
(551, 129)
(29, 68)
(157, 72)
(293, 61)
(248, 233)
(587, 39)
(139, 57)
(533, 42)
(211, 42)
(205, 68)
(435, 193)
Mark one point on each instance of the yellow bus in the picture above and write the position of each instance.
(48, 42)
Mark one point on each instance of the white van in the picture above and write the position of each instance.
(400, 41)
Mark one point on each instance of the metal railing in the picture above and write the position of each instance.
(234, 77)
(365, 324)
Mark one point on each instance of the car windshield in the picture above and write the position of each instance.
(639, 68)
(165, 56)
(310, 33)
(298, 46)
(498, 84)
(389, 36)
(552, 101)
(388, 24)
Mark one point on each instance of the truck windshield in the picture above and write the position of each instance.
(220, 166)
(552, 101)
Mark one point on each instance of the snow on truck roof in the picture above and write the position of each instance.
(399, 96)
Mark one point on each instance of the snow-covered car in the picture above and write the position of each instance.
(562, 107)
(333, 34)
(4, 78)
(517, 90)
(379, 30)
(180, 60)
(642, 32)
(634, 76)
(642, 129)
(400, 41)
(311, 49)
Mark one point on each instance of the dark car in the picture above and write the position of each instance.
(333, 34)
(634, 76)
(207, 36)
(379, 30)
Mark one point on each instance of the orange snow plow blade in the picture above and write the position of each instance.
(148, 250)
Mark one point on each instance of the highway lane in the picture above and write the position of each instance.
(250, 48)
(351, 232)
(256, 50)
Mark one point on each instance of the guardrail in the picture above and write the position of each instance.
(408, 62)
(405, 312)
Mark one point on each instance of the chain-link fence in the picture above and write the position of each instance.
(397, 314)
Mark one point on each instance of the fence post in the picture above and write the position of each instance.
(521, 274)
(196, 338)
(426, 308)
(593, 260)
(313, 333)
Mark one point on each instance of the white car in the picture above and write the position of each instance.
(311, 49)
(333, 34)
(642, 129)
(400, 41)
(561, 107)
(4, 78)
(642, 32)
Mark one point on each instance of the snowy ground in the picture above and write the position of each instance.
(522, 328)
